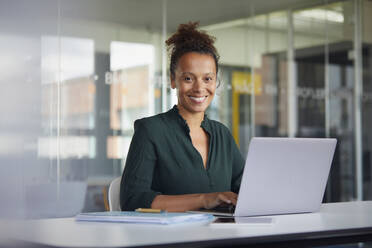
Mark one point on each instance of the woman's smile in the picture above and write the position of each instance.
(197, 99)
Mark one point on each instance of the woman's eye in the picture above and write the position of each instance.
(188, 78)
(208, 79)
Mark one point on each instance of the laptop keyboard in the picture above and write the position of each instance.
(224, 209)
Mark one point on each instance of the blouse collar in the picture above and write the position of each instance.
(182, 121)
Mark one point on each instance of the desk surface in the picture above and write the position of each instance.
(335, 221)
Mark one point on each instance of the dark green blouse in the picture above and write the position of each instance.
(163, 160)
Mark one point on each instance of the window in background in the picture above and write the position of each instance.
(132, 92)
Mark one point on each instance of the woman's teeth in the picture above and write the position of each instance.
(198, 99)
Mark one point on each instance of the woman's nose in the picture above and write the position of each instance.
(198, 85)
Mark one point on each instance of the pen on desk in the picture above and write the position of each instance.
(149, 210)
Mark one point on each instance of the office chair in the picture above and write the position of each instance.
(114, 195)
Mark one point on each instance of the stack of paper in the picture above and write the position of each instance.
(163, 218)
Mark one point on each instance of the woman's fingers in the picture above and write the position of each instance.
(231, 196)
(212, 200)
(224, 198)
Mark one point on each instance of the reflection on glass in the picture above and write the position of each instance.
(65, 58)
(69, 147)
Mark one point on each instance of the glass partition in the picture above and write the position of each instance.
(325, 87)
(77, 74)
(124, 84)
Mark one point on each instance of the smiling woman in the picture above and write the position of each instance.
(180, 160)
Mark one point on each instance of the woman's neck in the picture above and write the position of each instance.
(193, 120)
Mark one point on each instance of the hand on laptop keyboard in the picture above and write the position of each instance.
(224, 208)
(212, 200)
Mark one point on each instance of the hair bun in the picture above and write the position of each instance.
(189, 39)
(188, 35)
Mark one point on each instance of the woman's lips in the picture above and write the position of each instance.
(198, 99)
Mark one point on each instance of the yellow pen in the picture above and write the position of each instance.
(149, 210)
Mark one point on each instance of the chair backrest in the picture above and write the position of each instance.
(114, 195)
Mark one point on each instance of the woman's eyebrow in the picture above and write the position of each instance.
(208, 73)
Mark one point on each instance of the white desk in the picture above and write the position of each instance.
(336, 222)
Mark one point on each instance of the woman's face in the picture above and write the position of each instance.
(195, 80)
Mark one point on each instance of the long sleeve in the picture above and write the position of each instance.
(135, 190)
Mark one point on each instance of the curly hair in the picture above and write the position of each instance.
(189, 39)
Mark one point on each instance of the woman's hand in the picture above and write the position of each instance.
(211, 200)
(181, 203)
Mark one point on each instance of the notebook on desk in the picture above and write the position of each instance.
(282, 176)
(163, 218)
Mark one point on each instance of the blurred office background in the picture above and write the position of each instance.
(75, 74)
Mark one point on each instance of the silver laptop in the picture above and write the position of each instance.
(284, 176)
